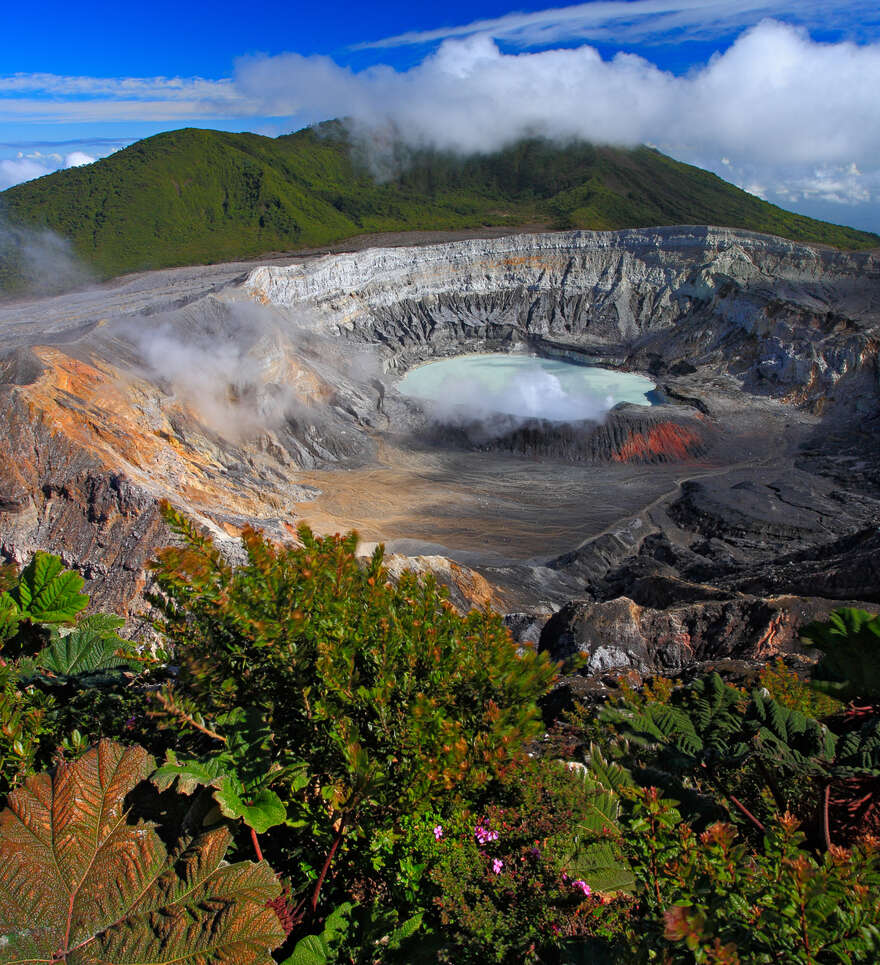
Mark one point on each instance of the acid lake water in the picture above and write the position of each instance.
(475, 386)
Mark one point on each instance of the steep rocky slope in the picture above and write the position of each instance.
(746, 499)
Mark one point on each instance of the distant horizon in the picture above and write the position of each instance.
(775, 97)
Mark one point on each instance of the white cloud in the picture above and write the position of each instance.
(55, 97)
(644, 21)
(16, 170)
(76, 159)
(130, 88)
(26, 167)
(776, 102)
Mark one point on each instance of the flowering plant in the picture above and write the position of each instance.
(501, 879)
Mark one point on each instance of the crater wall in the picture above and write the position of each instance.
(783, 317)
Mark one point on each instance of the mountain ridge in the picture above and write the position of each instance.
(198, 196)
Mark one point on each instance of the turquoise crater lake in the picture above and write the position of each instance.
(524, 386)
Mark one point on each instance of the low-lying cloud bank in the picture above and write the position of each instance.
(36, 164)
(780, 107)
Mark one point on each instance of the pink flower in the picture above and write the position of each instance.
(438, 832)
(583, 886)
(484, 835)
(497, 865)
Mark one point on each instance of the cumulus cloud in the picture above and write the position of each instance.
(795, 118)
(775, 101)
(775, 95)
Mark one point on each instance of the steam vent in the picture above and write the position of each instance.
(733, 497)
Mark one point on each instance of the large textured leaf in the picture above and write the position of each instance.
(861, 748)
(93, 645)
(657, 723)
(716, 709)
(83, 882)
(785, 736)
(47, 593)
(593, 858)
(611, 775)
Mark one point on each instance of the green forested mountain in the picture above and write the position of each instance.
(193, 196)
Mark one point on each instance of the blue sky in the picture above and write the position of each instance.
(779, 97)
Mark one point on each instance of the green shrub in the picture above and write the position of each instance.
(788, 689)
(373, 700)
(710, 897)
(529, 877)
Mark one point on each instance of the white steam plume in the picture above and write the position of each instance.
(531, 394)
(36, 261)
(241, 368)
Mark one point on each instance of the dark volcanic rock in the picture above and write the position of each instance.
(632, 434)
(621, 635)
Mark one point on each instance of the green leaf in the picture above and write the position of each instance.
(93, 645)
(601, 868)
(319, 949)
(337, 924)
(850, 645)
(405, 930)
(10, 617)
(83, 881)
(188, 774)
(311, 950)
(47, 593)
(261, 810)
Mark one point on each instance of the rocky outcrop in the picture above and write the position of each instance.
(56, 496)
(629, 434)
(620, 635)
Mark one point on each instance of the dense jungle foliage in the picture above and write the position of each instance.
(317, 765)
(198, 196)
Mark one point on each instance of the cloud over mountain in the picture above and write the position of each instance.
(774, 98)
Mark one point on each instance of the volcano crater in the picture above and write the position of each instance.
(268, 395)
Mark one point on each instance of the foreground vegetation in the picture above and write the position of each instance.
(197, 196)
(321, 766)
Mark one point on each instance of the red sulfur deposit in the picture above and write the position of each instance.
(666, 442)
